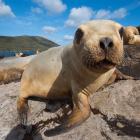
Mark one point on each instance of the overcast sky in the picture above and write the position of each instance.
(57, 19)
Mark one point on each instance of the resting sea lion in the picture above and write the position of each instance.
(75, 71)
(132, 36)
(11, 69)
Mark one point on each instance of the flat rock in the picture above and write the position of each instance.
(115, 115)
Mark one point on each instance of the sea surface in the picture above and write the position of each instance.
(12, 53)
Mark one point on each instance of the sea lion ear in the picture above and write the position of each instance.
(121, 32)
(78, 35)
(138, 27)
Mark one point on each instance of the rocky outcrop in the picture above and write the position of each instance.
(115, 115)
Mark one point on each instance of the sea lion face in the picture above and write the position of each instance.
(99, 43)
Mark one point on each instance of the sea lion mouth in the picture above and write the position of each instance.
(98, 65)
(107, 62)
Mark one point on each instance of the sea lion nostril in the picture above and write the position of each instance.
(102, 45)
(110, 45)
(106, 43)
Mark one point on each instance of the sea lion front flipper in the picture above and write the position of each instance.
(80, 113)
(118, 75)
(121, 76)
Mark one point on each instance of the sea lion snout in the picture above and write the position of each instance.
(106, 43)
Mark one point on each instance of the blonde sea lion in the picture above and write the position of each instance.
(75, 71)
(11, 69)
(132, 36)
(7, 76)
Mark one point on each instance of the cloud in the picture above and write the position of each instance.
(102, 14)
(107, 14)
(68, 37)
(78, 16)
(52, 6)
(5, 10)
(23, 22)
(120, 13)
(49, 29)
(36, 10)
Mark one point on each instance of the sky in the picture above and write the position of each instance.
(57, 20)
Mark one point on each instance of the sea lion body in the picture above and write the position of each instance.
(39, 78)
(74, 71)
(50, 75)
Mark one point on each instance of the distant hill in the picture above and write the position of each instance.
(25, 44)
(22, 43)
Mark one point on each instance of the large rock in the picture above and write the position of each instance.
(131, 63)
(115, 115)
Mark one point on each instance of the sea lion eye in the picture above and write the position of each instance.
(121, 31)
(78, 35)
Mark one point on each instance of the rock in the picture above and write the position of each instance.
(115, 115)
(131, 63)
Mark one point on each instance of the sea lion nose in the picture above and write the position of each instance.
(106, 43)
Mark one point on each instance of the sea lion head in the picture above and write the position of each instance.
(99, 43)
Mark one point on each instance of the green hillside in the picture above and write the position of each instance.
(21, 43)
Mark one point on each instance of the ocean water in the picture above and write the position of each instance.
(12, 53)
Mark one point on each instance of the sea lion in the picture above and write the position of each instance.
(11, 69)
(132, 36)
(7, 76)
(75, 71)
